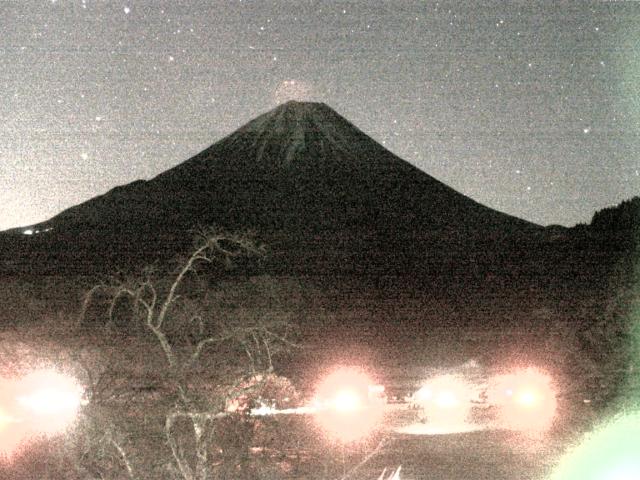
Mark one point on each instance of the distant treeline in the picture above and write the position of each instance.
(625, 216)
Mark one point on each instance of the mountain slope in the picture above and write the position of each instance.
(300, 171)
(299, 166)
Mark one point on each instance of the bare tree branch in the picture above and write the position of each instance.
(123, 455)
(365, 460)
(181, 462)
(200, 346)
(163, 315)
(87, 301)
(170, 299)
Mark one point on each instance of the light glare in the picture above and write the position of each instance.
(446, 401)
(48, 400)
(347, 401)
(4, 419)
(344, 409)
(526, 398)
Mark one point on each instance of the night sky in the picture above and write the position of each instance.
(532, 109)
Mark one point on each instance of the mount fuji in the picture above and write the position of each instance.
(301, 176)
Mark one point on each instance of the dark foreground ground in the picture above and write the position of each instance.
(474, 451)
(471, 452)
(476, 455)
(490, 455)
(399, 334)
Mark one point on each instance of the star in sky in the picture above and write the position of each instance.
(467, 92)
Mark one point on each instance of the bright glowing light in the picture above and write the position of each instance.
(347, 401)
(5, 419)
(610, 453)
(625, 471)
(526, 398)
(49, 400)
(346, 383)
(263, 410)
(343, 407)
(43, 402)
(446, 400)
(376, 389)
(11, 431)
(423, 395)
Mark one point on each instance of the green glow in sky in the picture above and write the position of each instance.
(612, 451)
(609, 453)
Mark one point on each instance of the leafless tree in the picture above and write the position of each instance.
(200, 375)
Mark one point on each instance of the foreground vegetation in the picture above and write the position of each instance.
(170, 379)
(172, 359)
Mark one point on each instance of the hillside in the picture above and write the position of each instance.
(302, 177)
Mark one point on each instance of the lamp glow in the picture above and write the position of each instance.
(445, 400)
(344, 410)
(48, 400)
(347, 401)
(4, 419)
(526, 398)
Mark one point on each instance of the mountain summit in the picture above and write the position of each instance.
(300, 166)
(298, 171)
